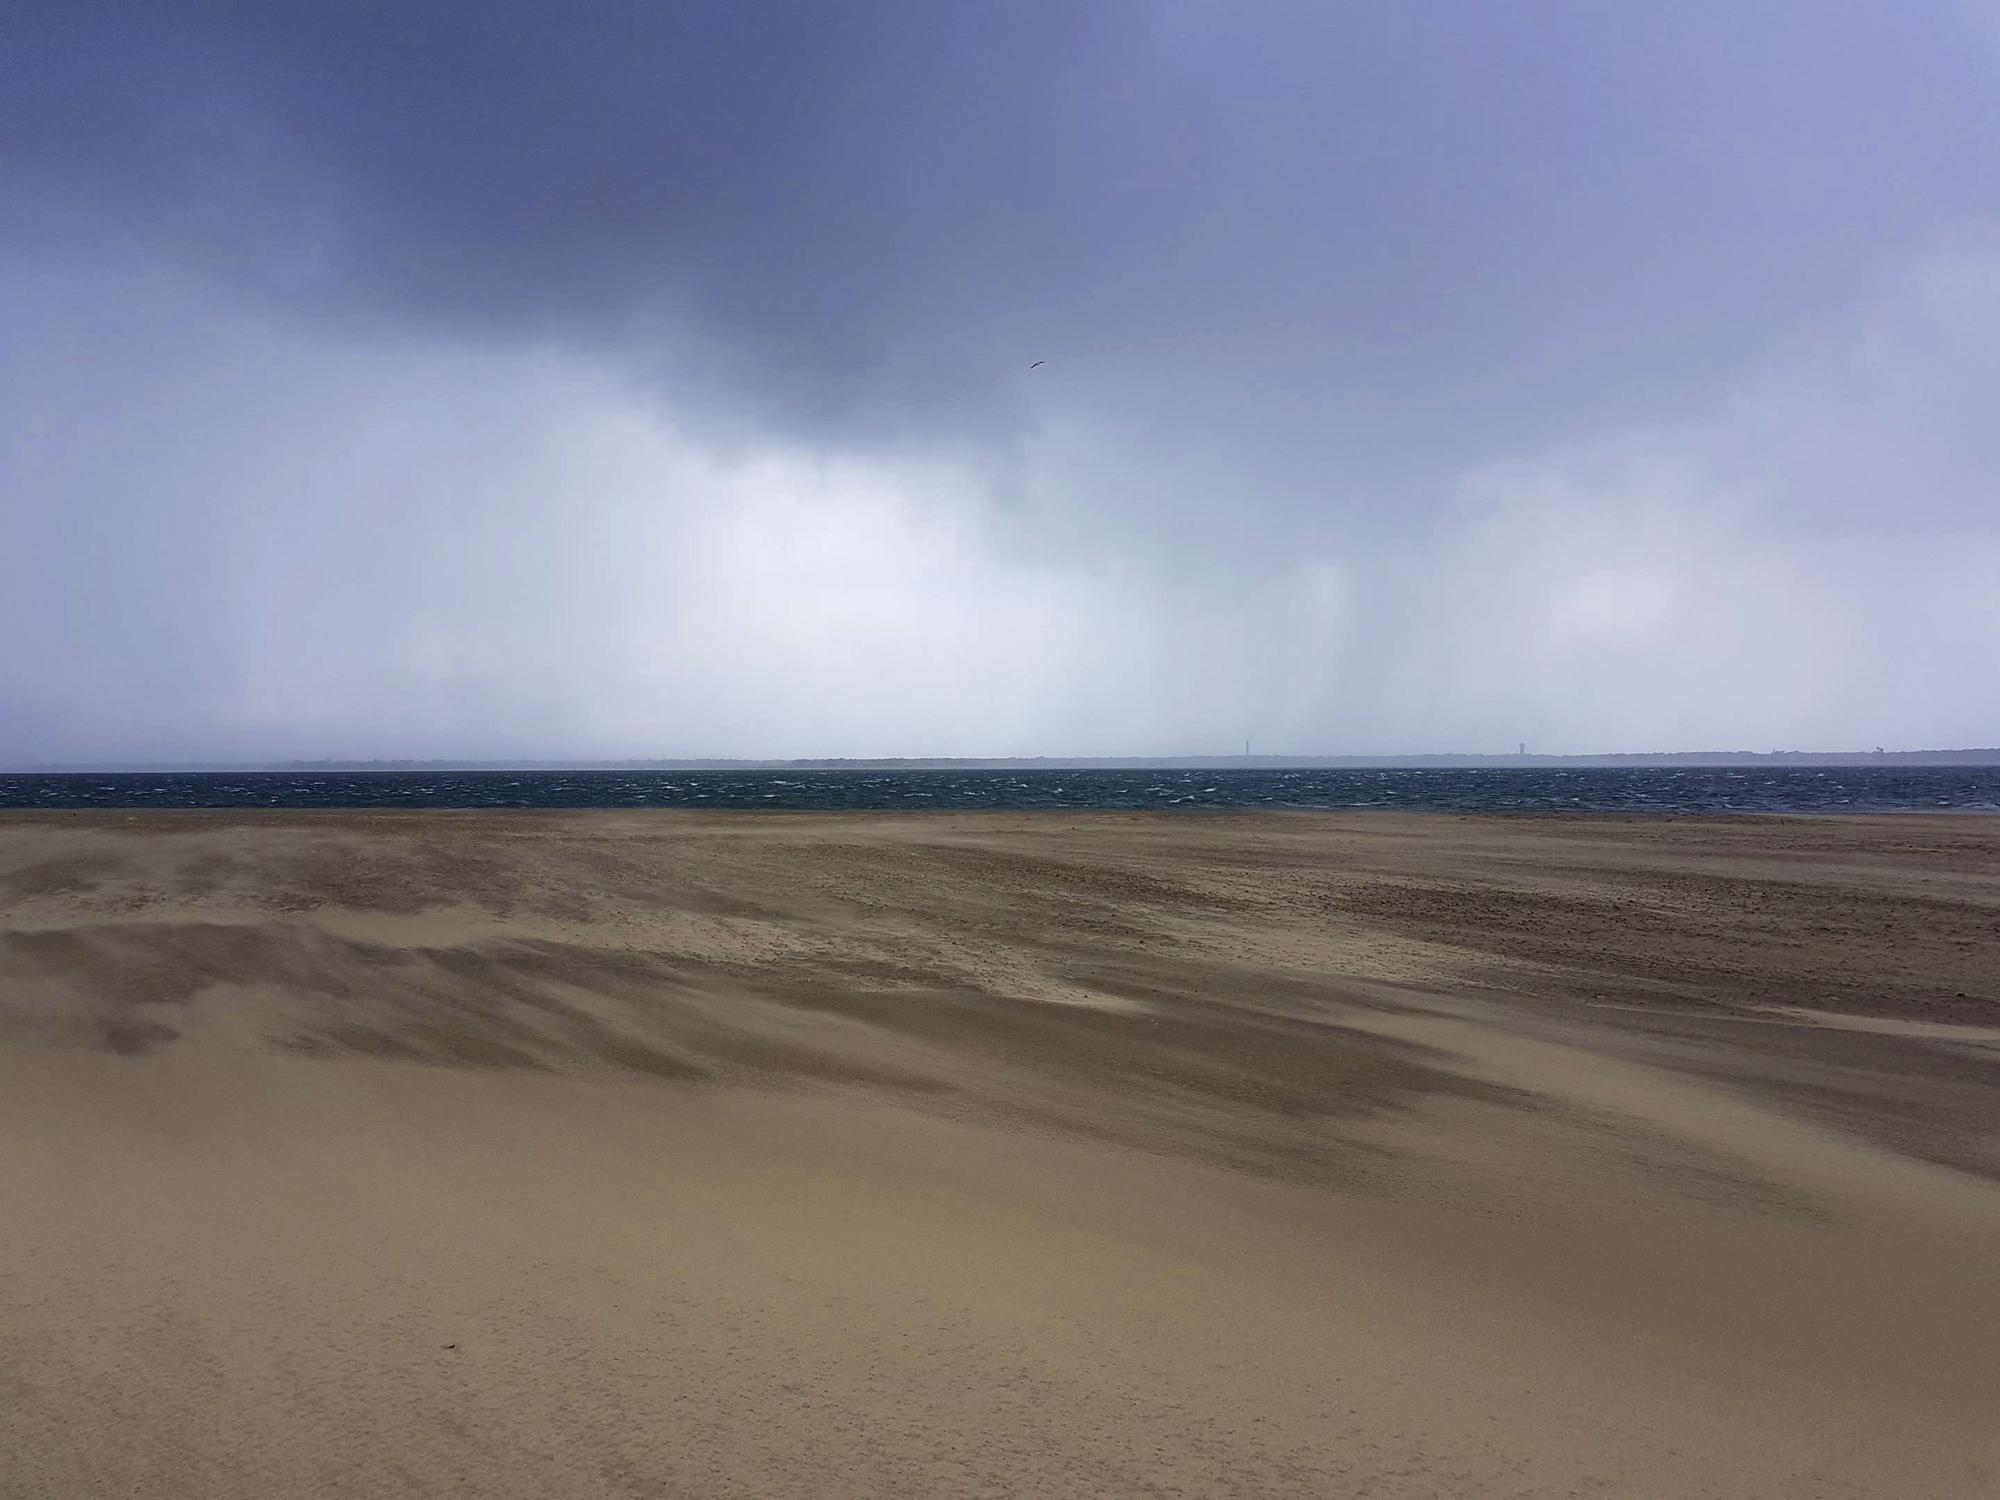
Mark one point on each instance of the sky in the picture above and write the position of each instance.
(491, 380)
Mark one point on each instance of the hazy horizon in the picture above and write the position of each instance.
(1971, 756)
(506, 382)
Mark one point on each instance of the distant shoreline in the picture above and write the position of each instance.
(1693, 759)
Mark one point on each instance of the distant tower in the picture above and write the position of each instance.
(1524, 747)
(1246, 749)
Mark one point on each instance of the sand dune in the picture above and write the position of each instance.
(662, 1154)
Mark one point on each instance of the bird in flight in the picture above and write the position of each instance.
(1038, 364)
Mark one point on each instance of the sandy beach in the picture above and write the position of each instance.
(659, 1154)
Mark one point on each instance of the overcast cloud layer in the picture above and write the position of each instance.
(446, 379)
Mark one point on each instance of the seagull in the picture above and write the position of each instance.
(1038, 364)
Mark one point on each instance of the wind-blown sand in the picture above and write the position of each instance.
(683, 1155)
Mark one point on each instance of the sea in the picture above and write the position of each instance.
(1777, 789)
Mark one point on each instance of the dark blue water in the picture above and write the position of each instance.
(1660, 789)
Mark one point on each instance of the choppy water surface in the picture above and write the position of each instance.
(1665, 789)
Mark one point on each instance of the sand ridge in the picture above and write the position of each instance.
(631, 1153)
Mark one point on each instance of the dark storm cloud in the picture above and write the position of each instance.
(1358, 234)
(441, 378)
(813, 203)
